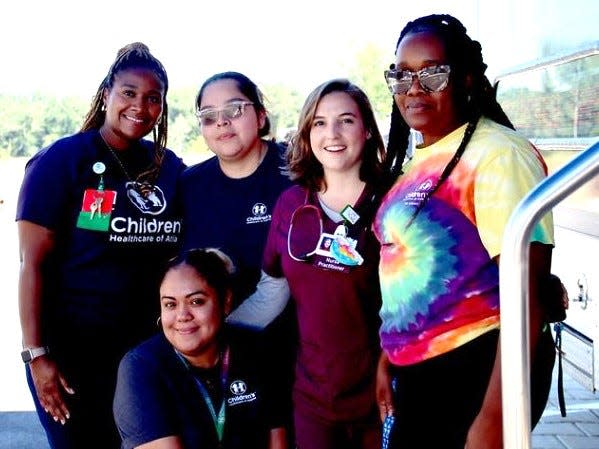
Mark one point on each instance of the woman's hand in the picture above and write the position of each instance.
(35, 244)
(50, 386)
(384, 392)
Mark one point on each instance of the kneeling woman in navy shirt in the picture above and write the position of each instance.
(199, 384)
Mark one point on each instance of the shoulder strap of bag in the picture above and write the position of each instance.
(560, 375)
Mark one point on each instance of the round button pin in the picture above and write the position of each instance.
(99, 168)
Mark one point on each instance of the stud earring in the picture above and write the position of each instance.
(103, 108)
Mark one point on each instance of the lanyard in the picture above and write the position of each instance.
(219, 420)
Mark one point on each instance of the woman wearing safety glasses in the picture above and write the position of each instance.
(320, 242)
(440, 228)
(228, 200)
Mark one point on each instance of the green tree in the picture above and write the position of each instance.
(284, 105)
(184, 136)
(28, 123)
(367, 72)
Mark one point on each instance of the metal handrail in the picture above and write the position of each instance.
(539, 64)
(514, 292)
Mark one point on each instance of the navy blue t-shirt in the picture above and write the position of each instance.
(98, 281)
(233, 214)
(157, 396)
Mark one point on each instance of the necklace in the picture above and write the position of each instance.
(116, 157)
(143, 188)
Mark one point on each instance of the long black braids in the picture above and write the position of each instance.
(134, 56)
(396, 146)
(473, 93)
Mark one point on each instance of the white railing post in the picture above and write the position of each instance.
(514, 291)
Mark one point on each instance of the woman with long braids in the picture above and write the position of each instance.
(96, 223)
(440, 228)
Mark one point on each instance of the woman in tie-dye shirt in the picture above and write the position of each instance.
(441, 227)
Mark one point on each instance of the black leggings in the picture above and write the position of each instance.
(437, 400)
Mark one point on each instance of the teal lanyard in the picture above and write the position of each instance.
(219, 420)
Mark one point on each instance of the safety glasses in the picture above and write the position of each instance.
(233, 110)
(432, 79)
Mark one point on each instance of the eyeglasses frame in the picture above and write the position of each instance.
(240, 104)
(418, 75)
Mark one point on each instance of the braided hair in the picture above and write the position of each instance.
(474, 95)
(134, 56)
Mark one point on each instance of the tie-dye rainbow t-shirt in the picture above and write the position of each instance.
(439, 282)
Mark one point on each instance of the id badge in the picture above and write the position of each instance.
(337, 253)
(344, 250)
(96, 210)
(340, 247)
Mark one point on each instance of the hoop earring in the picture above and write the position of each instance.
(158, 322)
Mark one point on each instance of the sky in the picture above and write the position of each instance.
(65, 47)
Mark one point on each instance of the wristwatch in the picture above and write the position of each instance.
(29, 354)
